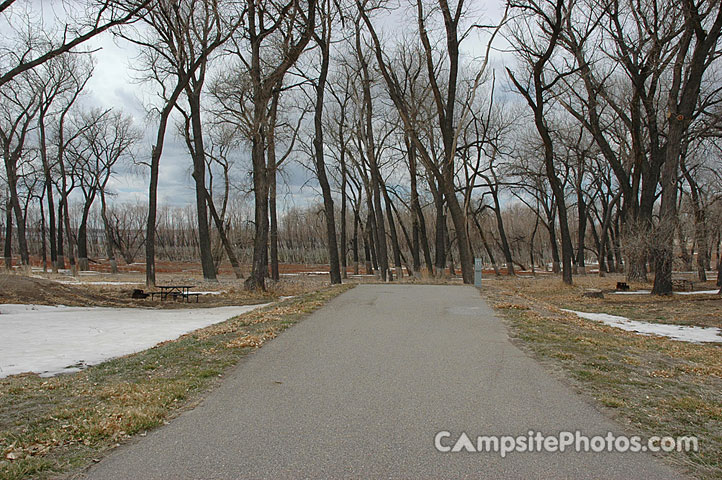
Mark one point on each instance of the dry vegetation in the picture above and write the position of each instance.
(652, 385)
(115, 291)
(51, 426)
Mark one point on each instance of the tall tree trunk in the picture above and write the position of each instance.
(343, 247)
(108, 234)
(392, 232)
(232, 258)
(273, 232)
(8, 235)
(328, 207)
(11, 166)
(60, 237)
(69, 236)
(256, 280)
(82, 239)
(440, 252)
(367, 235)
(506, 250)
(49, 196)
(581, 230)
(487, 247)
(700, 224)
(43, 237)
(354, 248)
(423, 237)
(380, 228)
(199, 177)
(416, 245)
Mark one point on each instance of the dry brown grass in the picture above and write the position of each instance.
(52, 426)
(702, 310)
(86, 292)
(651, 385)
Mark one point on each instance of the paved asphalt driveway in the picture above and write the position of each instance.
(359, 390)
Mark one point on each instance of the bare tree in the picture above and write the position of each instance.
(445, 103)
(110, 139)
(19, 106)
(323, 40)
(536, 56)
(173, 63)
(100, 16)
(294, 22)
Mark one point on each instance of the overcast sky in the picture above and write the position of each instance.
(114, 85)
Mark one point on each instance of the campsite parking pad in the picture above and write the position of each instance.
(359, 390)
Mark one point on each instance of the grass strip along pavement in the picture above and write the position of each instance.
(51, 426)
(650, 385)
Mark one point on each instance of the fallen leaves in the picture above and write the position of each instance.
(84, 413)
(510, 306)
(254, 341)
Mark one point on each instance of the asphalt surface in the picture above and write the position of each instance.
(360, 389)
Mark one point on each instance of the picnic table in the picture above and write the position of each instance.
(175, 291)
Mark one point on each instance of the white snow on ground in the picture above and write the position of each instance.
(683, 333)
(47, 339)
(698, 292)
(647, 292)
(76, 282)
(636, 292)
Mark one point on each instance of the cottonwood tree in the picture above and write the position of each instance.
(223, 143)
(109, 140)
(292, 24)
(697, 48)
(176, 42)
(445, 102)
(662, 56)
(56, 81)
(323, 36)
(65, 133)
(19, 106)
(535, 36)
(208, 30)
(61, 34)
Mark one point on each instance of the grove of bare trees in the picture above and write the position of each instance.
(574, 136)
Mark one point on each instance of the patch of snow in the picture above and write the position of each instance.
(682, 333)
(49, 339)
(78, 282)
(647, 292)
(699, 292)
(208, 293)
